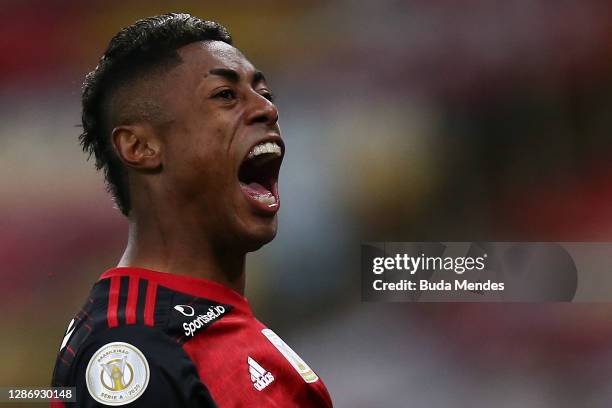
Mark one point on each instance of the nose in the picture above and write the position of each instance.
(262, 110)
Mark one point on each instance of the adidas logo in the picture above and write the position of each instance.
(260, 377)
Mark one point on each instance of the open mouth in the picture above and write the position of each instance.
(258, 175)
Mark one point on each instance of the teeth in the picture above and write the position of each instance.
(265, 148)
(269, 200)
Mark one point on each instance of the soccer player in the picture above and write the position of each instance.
(186, 131)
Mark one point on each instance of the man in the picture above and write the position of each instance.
(187, 133)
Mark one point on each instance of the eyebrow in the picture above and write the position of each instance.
(258, 77)
(234, 76)
(228, 74)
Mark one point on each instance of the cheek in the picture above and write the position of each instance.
(199, 155)
(203, 161)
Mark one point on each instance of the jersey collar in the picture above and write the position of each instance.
(198, 287)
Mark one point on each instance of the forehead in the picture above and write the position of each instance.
(206, 55)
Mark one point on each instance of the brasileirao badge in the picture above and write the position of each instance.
(117, 374)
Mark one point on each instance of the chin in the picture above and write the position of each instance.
(259, 235)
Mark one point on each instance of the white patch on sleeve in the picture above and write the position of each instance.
(117, 374)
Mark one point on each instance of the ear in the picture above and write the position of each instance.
(137, 146)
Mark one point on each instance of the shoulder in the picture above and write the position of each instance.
(134, 364)
(118, 350)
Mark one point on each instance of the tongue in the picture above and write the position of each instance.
(256, 189)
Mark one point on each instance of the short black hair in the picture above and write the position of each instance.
(146, 47)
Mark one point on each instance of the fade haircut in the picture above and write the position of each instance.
(111, 91)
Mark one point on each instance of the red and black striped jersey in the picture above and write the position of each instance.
(152, 339)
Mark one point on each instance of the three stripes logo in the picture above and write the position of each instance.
(259, 376)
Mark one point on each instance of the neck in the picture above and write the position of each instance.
(179, 249)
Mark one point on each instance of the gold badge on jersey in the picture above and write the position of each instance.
(300, 366)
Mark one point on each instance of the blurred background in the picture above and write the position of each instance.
(404, 121)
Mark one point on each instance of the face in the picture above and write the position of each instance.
(223, 151)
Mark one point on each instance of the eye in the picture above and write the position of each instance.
(268, 95)
(226, 94)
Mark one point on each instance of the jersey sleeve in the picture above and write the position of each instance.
(136, 366)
